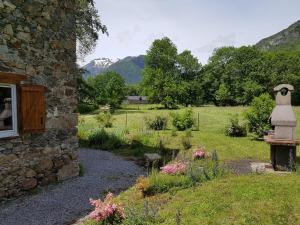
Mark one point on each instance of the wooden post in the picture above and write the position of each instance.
(198, 126)
(126, 119)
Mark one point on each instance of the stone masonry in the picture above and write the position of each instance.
(37, 39)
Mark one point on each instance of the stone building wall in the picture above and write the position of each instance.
(37, 39)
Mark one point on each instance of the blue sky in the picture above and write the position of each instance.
(196, 25)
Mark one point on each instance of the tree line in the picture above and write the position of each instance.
(232, 76)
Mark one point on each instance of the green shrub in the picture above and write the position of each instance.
(234, 129)
(146, 214)
(186, 142)
(161, 183)
(105, 119)
(173, 133)
(84, 108)
(258, 114)
(186, 139)
(184, 120)
(157, 123)
(103, 140)
(197, 172)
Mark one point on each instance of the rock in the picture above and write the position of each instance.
(68, 171)
(63, 146)
(152, 160)
(1, 4)
(66, 159)
(8, 30)
(258, 167)
(46, 164)
(151, 157)
(2, 193)
(24, 36)
(30, 70)
(3, 49)
(74, 155)
(7, 159)
(9, 146)
(9, 5)
(58, 163)
(29, 183)
(30, 173)
(48, 180)
(52, 151)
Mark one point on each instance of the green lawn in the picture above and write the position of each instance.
(252, 199)
(249, 199)
(210, 135)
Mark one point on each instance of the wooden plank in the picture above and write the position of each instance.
(11, 78)
(272, 141)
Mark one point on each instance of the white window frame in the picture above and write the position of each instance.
(14, 131)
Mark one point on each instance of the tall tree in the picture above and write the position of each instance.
(159, 76)
(234, 76)
(88, 25)
(109, 88)
(189, 69)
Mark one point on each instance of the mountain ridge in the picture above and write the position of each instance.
(288, 39)
(130, 68)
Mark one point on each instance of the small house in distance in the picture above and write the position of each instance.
(136, 100)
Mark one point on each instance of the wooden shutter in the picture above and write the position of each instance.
(32, 108)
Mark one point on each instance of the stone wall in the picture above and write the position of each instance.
(37, 39)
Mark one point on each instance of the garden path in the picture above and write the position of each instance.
(66, 202)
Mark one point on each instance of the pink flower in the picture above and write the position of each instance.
(106, 209)
(199, 154)
(174, 168)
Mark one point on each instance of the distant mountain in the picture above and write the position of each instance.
(287, 39)
(97, 66)
(130, 68)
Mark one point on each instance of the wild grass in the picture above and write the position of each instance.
(212, 123)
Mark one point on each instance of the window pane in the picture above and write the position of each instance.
(5, 109)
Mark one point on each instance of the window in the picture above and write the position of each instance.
(8, 111)
(23, 111)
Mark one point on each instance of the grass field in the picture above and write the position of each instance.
(248, 200)
(212, 122)
(267, 199)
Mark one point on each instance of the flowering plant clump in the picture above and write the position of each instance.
(174, 168)
(107, 211)
(199, 154)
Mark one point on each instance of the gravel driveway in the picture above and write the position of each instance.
(68, 201)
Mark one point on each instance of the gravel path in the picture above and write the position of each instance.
(68, 201)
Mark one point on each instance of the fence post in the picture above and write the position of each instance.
(198, 126)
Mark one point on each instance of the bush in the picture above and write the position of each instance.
(161, 183)
(146, 214)
(106, 211)
(103, 140)
(186, 142)
(258, 114)
(234, 129)
(196, 172)
(105, 119)
(157, 123)
(184, 120)
(84, 108)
